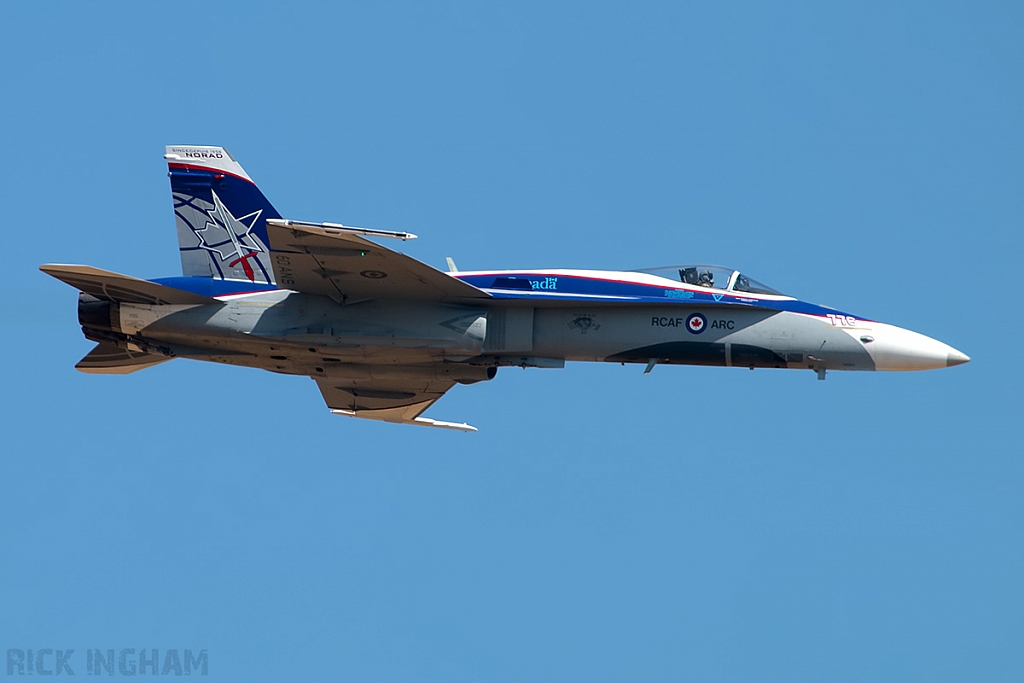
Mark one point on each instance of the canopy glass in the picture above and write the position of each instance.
(712, 277)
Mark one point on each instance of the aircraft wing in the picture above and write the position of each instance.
(397, 401)
(337, 261)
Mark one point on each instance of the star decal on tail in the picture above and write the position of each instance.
(231, 238)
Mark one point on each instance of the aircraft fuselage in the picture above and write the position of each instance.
(294, 333)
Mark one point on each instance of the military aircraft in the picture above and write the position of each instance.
(385, 336)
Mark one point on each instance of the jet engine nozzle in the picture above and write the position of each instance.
(98, 314)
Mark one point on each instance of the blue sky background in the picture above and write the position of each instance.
(695, 524)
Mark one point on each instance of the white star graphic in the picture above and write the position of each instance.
(229, 237)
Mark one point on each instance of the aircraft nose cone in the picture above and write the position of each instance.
(957, 358)
(898, 350)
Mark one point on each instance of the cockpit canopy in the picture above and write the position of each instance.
(712, 277)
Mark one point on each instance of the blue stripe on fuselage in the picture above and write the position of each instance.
(575, 288)
(208, 286)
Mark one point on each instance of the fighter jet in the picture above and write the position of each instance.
(384, 336)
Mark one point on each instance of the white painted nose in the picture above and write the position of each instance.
(896, 349)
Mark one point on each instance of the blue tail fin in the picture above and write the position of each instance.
(220, 214)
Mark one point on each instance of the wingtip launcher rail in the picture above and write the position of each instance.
(369, 232)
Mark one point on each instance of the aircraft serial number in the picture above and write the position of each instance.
(285, 273)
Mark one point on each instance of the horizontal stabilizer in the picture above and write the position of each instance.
(109, 286)
(107, 359)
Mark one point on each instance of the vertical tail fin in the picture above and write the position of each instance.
(220, 215)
